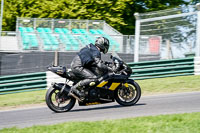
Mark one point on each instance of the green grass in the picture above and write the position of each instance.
(149, 87)
(176, 123)
(16, 99)
(170, 85)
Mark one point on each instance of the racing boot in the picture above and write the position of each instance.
(76, 89)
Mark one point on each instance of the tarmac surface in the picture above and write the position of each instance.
(146, 106)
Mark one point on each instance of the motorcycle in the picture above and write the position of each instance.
(111, 87)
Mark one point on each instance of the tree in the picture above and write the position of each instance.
(194, 1)
(117, 13)
(143, 6)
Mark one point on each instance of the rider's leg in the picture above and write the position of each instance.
(87, 76)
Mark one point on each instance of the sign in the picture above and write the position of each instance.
(154, 44)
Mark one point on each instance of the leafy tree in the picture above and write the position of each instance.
(117, 13)
(195, 1)
(143, 6)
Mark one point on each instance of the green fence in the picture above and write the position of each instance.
(141, 70)
(162, 68)
(22, 82)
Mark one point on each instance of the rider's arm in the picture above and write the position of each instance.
(101, 65)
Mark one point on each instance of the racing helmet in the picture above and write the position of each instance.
(103, 44)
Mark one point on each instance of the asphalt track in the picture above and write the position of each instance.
(148, 105)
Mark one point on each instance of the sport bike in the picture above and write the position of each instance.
(110, 87)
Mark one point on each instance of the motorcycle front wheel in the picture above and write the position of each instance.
(128, 94)
(59, 103)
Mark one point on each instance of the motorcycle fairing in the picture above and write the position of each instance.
(61, 71)
(114, 86)
(102, 83)
(112, 82)
(92, 103)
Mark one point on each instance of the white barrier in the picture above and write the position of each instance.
(196, 65)
(54, 78)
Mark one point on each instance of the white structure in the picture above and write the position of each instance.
(180, 27)
(54, 78)
(197, 66)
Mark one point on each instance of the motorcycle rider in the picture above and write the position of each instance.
(87, 61)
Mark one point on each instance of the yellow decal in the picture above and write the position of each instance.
(102, 83)
(114, 86)
(59, 72)
(93, 103)
(126, 85)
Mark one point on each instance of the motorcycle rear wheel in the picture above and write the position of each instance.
(59, 103)
(128, 95)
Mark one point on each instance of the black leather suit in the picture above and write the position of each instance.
(87, 64)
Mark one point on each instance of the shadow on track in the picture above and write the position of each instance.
(106, 107)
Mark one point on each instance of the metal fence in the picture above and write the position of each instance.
(60, 23)
(116, 37)
(168, 34)
(172, 33)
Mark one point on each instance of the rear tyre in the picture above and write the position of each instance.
(59, 103)
(128, 94)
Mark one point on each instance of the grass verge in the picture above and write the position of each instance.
(176, 123)
(17, 99)
(170, 85)
(149, 86)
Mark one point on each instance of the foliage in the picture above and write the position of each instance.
(177, 29)
(194, 1)
(117, 13)
(176, 123)
(143, 6)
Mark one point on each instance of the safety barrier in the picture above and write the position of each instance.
(162, 68)
(141, 70)
(22, 82)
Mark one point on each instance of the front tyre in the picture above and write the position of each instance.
(128, 94)
(59, 103)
